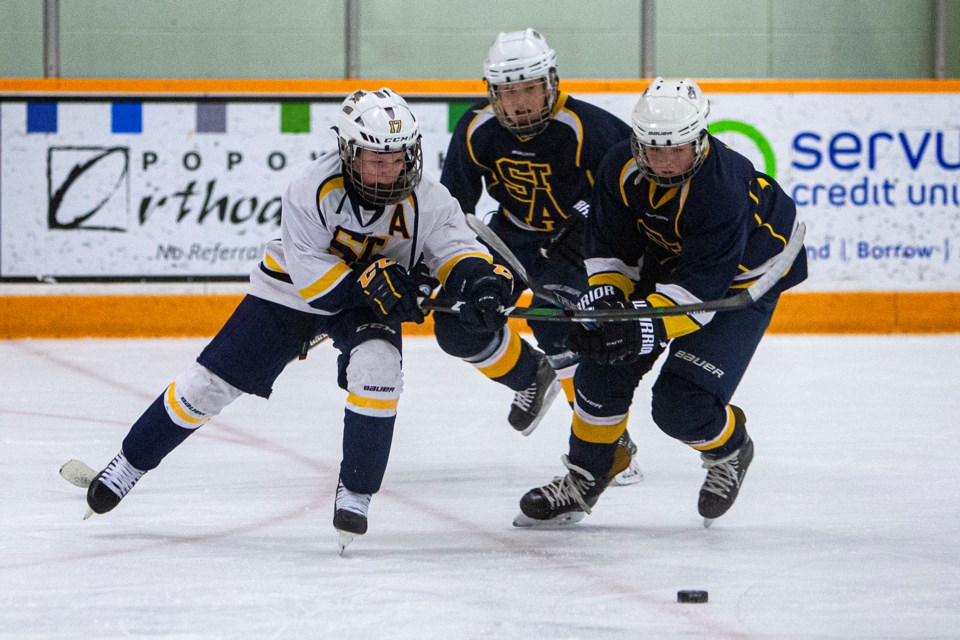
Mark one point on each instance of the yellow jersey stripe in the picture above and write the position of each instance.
(676, 326)
(620, 281)
(319, 287)
(623, 177)
(272, 263)
(328, 186)
(448, 266)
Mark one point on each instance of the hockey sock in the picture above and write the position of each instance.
(366, 449)
(595, 457)
(152, 437)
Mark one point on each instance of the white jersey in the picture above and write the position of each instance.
(323, 233)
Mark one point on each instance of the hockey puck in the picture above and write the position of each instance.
(691, 596)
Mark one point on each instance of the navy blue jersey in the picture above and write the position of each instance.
(696, 241)
(538, 180)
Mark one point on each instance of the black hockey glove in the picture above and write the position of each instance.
(425, 282)
(567, 243)
(390, 291)
(487, 294)
(619, 342)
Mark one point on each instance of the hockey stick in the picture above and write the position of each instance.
(774, 270)
(77, 473)
(310, 344)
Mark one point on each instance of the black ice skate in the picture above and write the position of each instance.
(724, 477)
(530, 404)
(566, 500)
(110, 485)
(349, 514)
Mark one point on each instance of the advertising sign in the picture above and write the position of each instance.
(99, 189)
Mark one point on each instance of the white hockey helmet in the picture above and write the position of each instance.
(382, 122)
(670, 113)
(518, 56)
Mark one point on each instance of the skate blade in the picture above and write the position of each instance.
(77, 473)
(707, 522)
(630, 475)
(563, 520)
(344, 538)
(548, 399)
(89, 513)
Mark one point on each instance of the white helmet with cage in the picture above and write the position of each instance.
(379, 121)
(670, 113)
(520, 56)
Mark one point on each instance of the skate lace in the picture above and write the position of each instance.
(524, 399)
(120, 475)
(722, 475)
(356, 502)
(564, 490)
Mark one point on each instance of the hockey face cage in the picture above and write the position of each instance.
(534, 123)
(378, 194)
(639, 154)
(519, 57)
(380, 122)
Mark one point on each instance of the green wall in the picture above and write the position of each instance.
(449, 38)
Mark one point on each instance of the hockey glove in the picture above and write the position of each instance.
(567, 243)
(617, 342)
(390, 291)
(487, 295)
(425, 282)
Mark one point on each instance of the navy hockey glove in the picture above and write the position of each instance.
(487, 295)
(390, 291)
(567, 243)
(425, 282)
(617, 342)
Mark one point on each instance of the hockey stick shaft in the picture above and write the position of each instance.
(774, 271)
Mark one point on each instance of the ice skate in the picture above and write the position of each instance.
(530, 404)
(724, 477)
(625, 469)
(110, 485)
(349, 515)
(566, 500)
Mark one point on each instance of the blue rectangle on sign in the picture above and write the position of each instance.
(41, 117)
(126, 117)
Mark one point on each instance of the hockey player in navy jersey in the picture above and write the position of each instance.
(677, 218)
(536, 149)
(355, 222)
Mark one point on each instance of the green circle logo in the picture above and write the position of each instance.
(763, 145)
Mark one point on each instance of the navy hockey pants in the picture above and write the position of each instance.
(696, 382)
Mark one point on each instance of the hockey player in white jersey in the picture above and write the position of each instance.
(355, 222)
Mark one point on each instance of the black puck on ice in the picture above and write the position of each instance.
(691, 596)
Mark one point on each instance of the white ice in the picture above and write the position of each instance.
(847, 526)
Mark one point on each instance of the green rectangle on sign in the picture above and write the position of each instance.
(455, 111)
(294, 117)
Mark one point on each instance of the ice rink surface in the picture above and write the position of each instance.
(848, 525)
